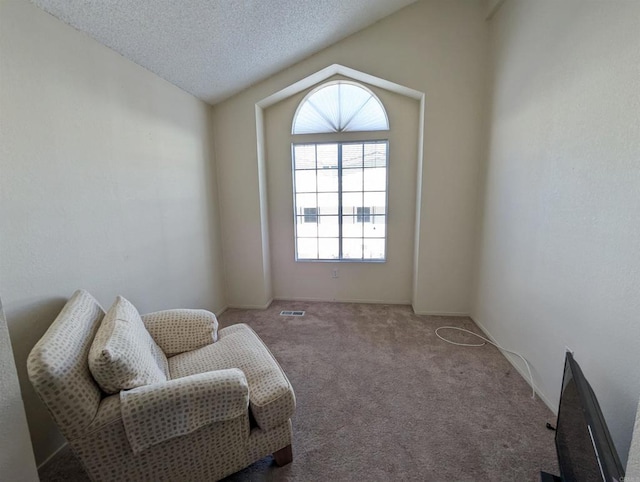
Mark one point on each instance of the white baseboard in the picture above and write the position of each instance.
(221, 310)
(517, 363)
(251, 307)
(55, 452)
(349, 300)
(441, 313)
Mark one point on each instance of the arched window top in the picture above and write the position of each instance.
(340, 106)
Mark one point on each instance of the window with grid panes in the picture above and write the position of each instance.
(340, 188)
(345, 185)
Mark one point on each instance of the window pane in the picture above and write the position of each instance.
(304, 201)
(352, 155)
(305, 181)
(352, 248)
(370, 118)
(327, 156)
(352, 99)
(340, 106)
(375, 179)
(352, 179)
(326, 101)
(306, 229)
(305, 156)
(351, 228)
(307, 248)
(328, 203)
(328, 180)
(351, 202)
(377, 228)
(328, 227)
(329, 248)
(375, 154)
(374, 248)
(377, 201)
(309, 120)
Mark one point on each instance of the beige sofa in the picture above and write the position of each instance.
(222, 407)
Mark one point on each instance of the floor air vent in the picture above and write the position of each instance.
(292, 313)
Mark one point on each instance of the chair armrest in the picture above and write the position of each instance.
(177, 331)
(161, 411)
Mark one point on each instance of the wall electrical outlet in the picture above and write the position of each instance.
(334, 273)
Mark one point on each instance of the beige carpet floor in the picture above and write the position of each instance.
(380, 397)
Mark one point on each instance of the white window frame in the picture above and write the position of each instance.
(341, 214)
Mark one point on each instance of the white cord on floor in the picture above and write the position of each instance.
(533, 390)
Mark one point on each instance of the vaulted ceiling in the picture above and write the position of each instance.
(216, 48)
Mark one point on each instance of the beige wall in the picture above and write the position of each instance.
(106, 183)
(388, 282)
(558, 261)
(437, 47)
(16, 454)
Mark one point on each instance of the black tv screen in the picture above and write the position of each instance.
(585, 449)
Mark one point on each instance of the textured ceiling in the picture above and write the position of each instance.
(215, 48)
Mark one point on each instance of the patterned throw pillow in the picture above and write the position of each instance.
(123, 355)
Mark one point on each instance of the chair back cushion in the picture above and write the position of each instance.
(123, 354)
(58, 368)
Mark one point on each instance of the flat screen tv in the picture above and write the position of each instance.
(585, 449)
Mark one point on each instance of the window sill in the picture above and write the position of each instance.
(357, 261)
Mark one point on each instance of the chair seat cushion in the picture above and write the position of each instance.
(271, 398)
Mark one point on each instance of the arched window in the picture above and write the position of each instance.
(340, 186)
(340, 106)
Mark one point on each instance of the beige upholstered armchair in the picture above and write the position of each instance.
(173, 400)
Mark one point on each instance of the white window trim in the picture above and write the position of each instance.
(298, 87)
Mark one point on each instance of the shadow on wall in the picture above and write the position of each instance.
(26, 326)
